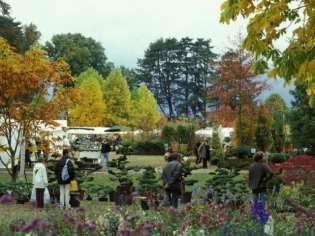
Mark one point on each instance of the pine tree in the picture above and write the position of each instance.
(217, 149)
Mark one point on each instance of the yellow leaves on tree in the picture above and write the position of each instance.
(117, 99)
(144, 113)
(91, 109)
(269, 21)
(25, 81)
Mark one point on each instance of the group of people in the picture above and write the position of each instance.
(172, 175)
(259, 174)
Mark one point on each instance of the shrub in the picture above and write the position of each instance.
(150, 146)
(242, 151)
(277, 158)
(215, 160)
(169, 133)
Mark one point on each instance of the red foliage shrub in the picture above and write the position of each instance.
(298, 168)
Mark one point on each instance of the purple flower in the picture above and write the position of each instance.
(117, 208)
(80, 209)
(259, 210)
(6, 198)
(188, 206)
(31, 225)
(133, 194)
(171, 210)
(79, 225)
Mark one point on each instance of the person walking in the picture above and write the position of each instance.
(64, 184)
(172, 178)
(105, 149)
(259, 174)
(204, 152)
(40, 181)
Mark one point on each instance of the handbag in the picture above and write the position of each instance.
(73, 186)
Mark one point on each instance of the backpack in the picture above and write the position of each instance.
(64, 173)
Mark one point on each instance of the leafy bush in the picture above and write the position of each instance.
(277, 158)
(215, 160)
(168, 133)
(241, 152)
(149, 146)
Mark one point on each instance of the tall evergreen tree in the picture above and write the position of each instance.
(302, 120)
(176, 72)
(277, 109)
(17, 35)
(217, 149)
(263, 128)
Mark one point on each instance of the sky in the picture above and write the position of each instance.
(126, 28)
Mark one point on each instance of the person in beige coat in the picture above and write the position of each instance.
(40, 181)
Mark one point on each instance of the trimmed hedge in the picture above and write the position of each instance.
(155, 147)
(277, 158)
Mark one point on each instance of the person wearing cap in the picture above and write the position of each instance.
(204, 152)
(258, 176)
(40, 181)
(172, 178)
(64, 184)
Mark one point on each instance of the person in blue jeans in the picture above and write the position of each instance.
(259, 174)
(105, 149)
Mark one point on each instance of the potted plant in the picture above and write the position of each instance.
(149, 186)
(103, 191)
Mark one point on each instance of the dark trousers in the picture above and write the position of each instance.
(173, 195)
(40, 197)
(204, 164)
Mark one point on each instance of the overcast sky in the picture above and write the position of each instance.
(127, 27)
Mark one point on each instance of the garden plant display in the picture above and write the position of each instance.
(289, 211)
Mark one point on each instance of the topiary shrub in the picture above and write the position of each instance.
(215, 160)
(241, 151)
(277, 158)
(148, 147)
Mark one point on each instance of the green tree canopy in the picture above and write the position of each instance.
(19, 36)
(176, 73)
(80, 52)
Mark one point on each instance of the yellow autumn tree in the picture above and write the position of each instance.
(25, 81)
(117, 99)
(144, 114)
(91, 110)
(270, 21)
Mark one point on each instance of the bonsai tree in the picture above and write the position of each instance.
(149, 185)
(121, 173)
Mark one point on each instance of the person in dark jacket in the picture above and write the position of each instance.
(259, 175)
(172, 178)
(105, 152)
(64, 184)
(204, 152)
(198, 159)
